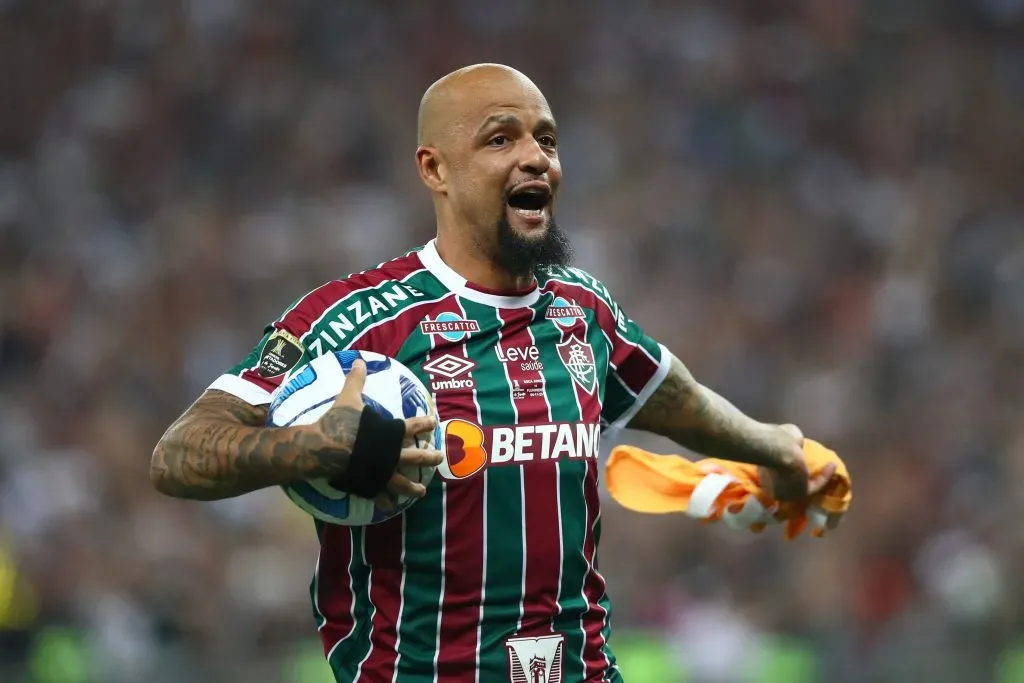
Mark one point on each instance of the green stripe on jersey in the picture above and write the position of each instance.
(504, 560)
(572, 509)
(421, 597)
(424, 540)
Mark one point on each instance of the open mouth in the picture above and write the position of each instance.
(530, 202)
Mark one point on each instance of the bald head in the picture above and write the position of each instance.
(453, 99)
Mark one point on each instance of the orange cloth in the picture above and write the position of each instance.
(720, 490)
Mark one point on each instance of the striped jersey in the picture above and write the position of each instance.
(493, 576)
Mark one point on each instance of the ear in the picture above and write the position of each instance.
(432, 169)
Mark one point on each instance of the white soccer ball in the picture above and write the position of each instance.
(309, 391)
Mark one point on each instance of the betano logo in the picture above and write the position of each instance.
(468, 448)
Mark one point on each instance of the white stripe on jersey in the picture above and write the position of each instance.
(241, 388)
(401, 607)
(373, 608)
(352, 606)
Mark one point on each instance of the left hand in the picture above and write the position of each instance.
(792, 482)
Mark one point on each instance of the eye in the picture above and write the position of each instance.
(498, 141)
(547, 141)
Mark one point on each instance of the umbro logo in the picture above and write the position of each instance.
(452, 367)
(449, 366)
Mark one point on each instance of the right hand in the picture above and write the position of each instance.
(792, 481)
(400, 485)
(341, 422)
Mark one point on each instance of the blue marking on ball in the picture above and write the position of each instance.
(299, 381)
(378, 408)
(413, 402)
(347, 358)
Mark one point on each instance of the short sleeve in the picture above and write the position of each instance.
(257, 375)
(638, 365)
(358, 311)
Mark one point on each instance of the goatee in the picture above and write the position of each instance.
(520, 255)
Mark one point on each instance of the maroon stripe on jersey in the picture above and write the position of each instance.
(632, 364)
(635, 370)
(334, 595)
(268, 385)
(300, 319)
(543, 552)
(383, 548)
(594, 587)
(464, 534)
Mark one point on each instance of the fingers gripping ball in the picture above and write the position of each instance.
(391, 389)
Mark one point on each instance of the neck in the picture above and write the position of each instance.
(472, 262)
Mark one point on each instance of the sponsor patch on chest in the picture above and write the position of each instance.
(468, 447)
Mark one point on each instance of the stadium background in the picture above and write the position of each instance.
(815, 203)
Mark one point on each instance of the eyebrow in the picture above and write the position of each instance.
(545, 124)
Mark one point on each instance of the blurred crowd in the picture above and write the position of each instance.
(816, 204)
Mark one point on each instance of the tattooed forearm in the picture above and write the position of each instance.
(699, 419)
(220, 448)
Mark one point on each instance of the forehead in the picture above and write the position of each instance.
(488, 101)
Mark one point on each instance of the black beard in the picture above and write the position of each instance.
(521, 256)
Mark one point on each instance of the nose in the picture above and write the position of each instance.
(532, 158)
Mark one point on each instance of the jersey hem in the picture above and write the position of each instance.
(243, 389)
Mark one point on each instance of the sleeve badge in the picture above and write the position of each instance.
(281, 352)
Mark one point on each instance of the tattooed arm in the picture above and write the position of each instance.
(699, 419)
(220, 448)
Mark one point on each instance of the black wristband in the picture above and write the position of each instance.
(375, 455)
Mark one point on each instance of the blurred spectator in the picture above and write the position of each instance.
(816, 204)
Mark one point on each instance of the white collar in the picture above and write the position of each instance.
(458, 284)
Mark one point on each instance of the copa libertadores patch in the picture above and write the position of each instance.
(280, 354)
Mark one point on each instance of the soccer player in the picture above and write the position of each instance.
(492, 576)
